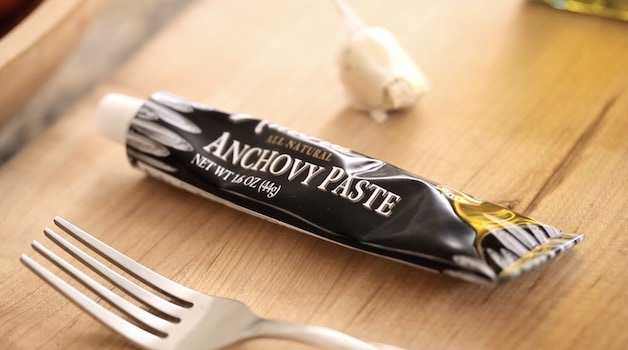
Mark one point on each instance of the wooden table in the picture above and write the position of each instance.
(528, 108)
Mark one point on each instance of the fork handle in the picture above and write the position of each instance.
(314, 335)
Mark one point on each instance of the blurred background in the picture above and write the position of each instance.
(114, 30)
(110, 31)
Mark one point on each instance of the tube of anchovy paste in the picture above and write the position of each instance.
(326, 190)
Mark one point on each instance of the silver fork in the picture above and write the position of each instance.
(183, 319)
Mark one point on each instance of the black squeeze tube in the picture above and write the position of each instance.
(330, 191)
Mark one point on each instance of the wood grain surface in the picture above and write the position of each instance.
(528, 108)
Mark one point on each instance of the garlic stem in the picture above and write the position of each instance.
(352, 20)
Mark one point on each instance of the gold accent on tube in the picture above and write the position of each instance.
(483, 216)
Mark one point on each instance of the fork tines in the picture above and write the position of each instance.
(140, 325)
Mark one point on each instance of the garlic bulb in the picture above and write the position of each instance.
(377, 73)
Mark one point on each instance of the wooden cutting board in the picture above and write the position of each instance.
(528, 108)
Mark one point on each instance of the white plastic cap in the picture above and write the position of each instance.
(114, 114)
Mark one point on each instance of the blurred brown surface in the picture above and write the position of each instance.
(116, 29)
(33, 47)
